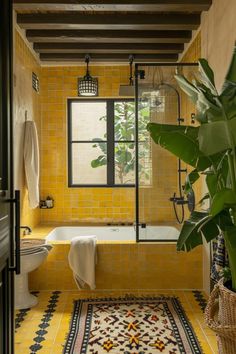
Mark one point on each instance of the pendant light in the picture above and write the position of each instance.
(87, 86)
(128, 90)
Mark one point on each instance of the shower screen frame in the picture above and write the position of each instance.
(137, 79)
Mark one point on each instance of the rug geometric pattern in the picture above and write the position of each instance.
(130, 326)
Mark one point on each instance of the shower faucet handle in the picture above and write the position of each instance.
(178, 200)
(182, 170)
(181, 201)
(175, 199)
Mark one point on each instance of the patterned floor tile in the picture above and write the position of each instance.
(43, 329)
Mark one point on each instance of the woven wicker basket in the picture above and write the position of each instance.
(220, 316)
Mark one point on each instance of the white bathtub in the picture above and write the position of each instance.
(114, 233)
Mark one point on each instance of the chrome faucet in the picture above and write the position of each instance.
(27, 230)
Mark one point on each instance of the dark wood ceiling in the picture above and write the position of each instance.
(107, 30)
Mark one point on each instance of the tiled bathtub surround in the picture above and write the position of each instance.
(128, 266)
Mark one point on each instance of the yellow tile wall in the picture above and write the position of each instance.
(76, 204)
(93, 204)
(25, 98)
(88, 204)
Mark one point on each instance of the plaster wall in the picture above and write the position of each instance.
(218, 35)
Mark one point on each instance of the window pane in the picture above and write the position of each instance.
(89, 163)
(124, 163)
(89, 120)
(124, 120)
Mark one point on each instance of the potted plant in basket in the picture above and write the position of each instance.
(210, 148)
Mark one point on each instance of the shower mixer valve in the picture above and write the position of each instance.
(190, 201)
(178, 200)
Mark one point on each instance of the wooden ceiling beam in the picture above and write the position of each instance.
(130, 48)
(98, 58)
(129, 21)
(111, 36)
(111, 5)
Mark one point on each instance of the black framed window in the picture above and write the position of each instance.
(101, 147)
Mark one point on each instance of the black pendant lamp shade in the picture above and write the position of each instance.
(87, 86)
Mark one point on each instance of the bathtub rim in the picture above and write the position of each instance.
(112, 241)
(42, 230)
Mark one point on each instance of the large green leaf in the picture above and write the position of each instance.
(180, 141)
(231, 75)
(199, 224)
(191, 178)
(222, 171)
(207, 106)
(209, 229)
(202, 200)
(211, 181)
(222, 199)
(214, 137)
(230, 243)
(187, 87)
(230, 235)
(228, 99)
(224, 220)
(207, 74)
(206, 101)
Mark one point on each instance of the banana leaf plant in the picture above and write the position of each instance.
(210, 149)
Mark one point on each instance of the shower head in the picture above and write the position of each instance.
(155, 102)
(151, 99)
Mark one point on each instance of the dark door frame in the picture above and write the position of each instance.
(7, 222)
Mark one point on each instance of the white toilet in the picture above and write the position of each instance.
(33, 253)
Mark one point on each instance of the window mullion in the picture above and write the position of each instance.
(110, 143)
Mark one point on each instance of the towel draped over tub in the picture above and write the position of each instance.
(31, 162)
(82, 260)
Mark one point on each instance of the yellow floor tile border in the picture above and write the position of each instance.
(44, 328)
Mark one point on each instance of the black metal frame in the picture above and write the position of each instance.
(8, 227)
(110, 143)
(137, 72)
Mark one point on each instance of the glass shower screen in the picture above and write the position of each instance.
(159, 99)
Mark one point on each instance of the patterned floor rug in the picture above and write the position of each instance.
(130, 326)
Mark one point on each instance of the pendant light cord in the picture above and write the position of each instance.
(87, 59)
(131, 60)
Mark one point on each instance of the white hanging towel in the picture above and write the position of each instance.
(31, 161)
(82, 260)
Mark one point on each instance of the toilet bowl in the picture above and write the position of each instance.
(31, 258)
